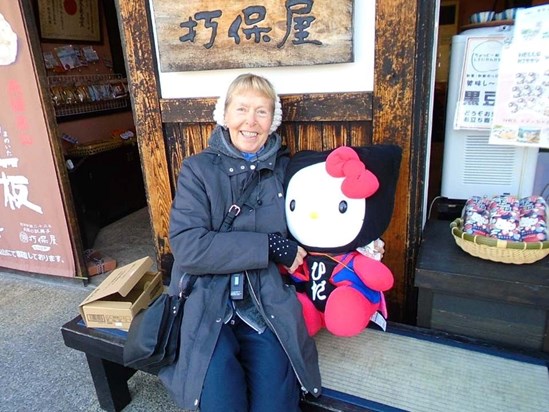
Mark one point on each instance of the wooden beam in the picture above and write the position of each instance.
(327, 107)
(144, 90)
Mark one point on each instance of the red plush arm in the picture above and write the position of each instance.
(373, 273)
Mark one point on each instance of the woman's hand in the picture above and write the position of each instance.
(298, 261)
(374, 249)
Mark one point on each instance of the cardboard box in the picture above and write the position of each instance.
(127, 290)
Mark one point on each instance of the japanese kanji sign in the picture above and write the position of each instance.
(34, 234)
(479, 76)
(208, 35)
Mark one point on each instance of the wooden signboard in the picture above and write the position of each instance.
(209, 35)
(34, 234)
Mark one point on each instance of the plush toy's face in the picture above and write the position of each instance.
(340, 199)
(318, 214)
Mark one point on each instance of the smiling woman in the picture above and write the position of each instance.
(248, 112)
(248, 117)
(246, 321)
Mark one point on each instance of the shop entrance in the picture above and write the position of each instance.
(87, 85)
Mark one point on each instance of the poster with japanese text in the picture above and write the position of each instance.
(34, 234)
(69, 20)
(521, 113)
(477, 92)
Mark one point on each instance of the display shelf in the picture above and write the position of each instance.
(90, 149)
(75, 95)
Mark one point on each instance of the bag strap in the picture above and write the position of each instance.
(233, 212)
(185, 292)
(235, 208)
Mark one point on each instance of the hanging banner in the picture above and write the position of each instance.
(209, 34)
(521, 113)
(477, 91)
(34, 236)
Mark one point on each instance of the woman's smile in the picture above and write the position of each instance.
(248, 117)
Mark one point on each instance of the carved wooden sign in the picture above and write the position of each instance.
(219, 34)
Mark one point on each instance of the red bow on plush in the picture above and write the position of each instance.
(359, 183)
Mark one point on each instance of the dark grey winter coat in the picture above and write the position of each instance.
(208, 184)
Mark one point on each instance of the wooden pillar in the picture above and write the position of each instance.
(403, 60)
(144, 89)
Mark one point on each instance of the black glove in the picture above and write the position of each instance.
(282, 250)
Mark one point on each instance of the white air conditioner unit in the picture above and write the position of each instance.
(471, 166)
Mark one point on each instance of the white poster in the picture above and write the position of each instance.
(521, 112)
(477, 90)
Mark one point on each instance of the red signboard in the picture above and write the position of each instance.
(34, 235)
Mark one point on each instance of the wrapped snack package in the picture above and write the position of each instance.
(505, 218)
(476, 216)
(533, 223)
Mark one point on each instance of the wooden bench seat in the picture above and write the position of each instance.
(375, 365)
(104, 353)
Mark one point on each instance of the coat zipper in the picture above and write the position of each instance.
(262, 311)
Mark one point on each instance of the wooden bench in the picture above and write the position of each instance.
(104, 350)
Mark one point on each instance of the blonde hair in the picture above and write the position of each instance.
(246, 82)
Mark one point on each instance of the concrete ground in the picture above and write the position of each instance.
(37, 371)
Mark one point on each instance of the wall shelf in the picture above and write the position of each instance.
(87, 95)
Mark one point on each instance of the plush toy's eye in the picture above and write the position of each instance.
(342, 206)
(292, 205)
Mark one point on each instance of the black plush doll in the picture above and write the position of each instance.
(337, 202)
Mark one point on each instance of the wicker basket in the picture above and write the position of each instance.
(498, 250)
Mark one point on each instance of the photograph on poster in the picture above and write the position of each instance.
(8, 43)
(521, 112)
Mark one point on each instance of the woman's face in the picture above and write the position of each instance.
(248, 117)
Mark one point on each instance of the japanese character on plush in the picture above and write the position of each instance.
(338, 202)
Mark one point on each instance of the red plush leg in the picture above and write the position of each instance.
(313, 318)
(347, 312)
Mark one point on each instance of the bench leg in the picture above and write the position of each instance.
(111, 383)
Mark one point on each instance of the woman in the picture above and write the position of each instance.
(253, 353)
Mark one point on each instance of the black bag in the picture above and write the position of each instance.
(153, 337)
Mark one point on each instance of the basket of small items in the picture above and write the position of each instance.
(503, 229)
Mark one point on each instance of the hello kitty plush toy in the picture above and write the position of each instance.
(338, 201)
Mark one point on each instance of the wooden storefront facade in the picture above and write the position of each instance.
(396, 111)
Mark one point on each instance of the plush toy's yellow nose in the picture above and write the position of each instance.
(313, 215)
